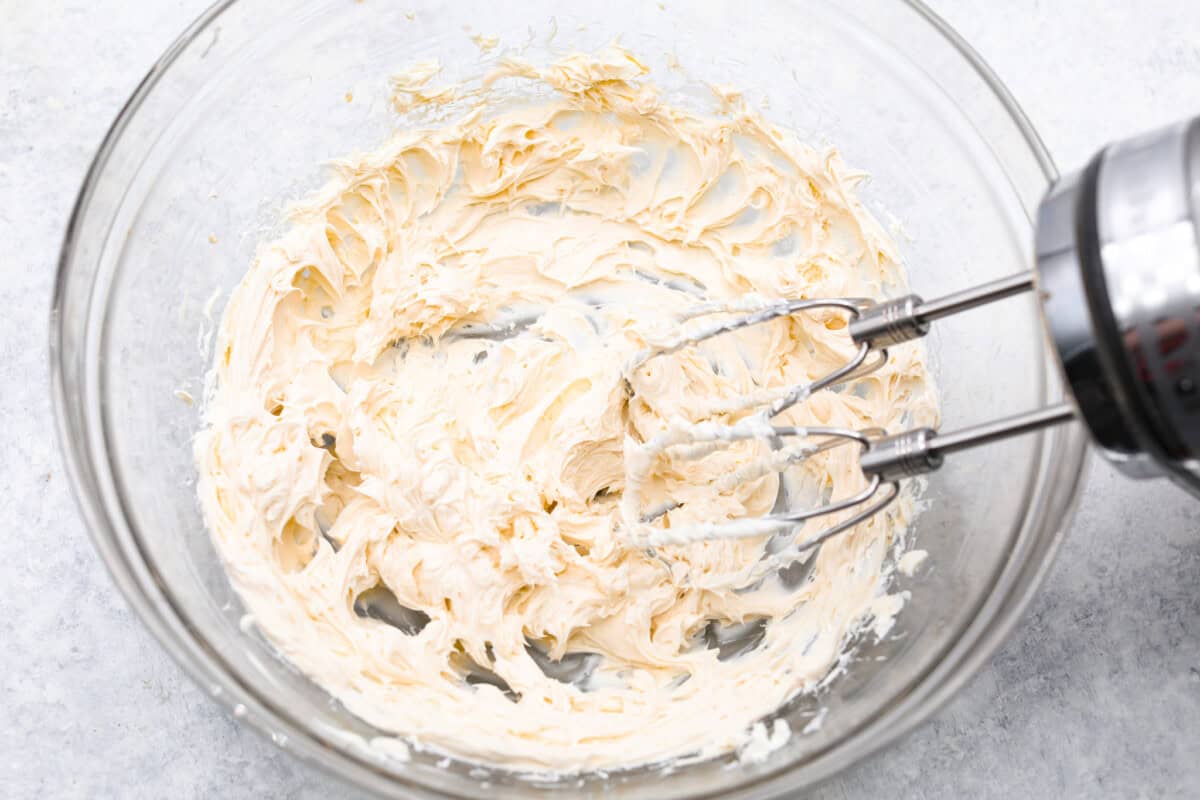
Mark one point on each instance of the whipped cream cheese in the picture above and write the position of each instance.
(414, 459)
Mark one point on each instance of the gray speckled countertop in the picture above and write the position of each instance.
(1096, 694)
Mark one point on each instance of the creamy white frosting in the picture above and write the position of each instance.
(422, 386)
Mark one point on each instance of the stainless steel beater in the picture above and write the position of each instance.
(1118, 275)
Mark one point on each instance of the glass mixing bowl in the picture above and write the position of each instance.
(236, 118)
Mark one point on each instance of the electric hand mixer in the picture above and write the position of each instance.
(1118, 275)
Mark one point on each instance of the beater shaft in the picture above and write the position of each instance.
(906, 318)
(921, 450)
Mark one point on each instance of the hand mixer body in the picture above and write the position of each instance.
(1118, 262)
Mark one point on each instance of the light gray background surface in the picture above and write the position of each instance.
(1096, 694)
